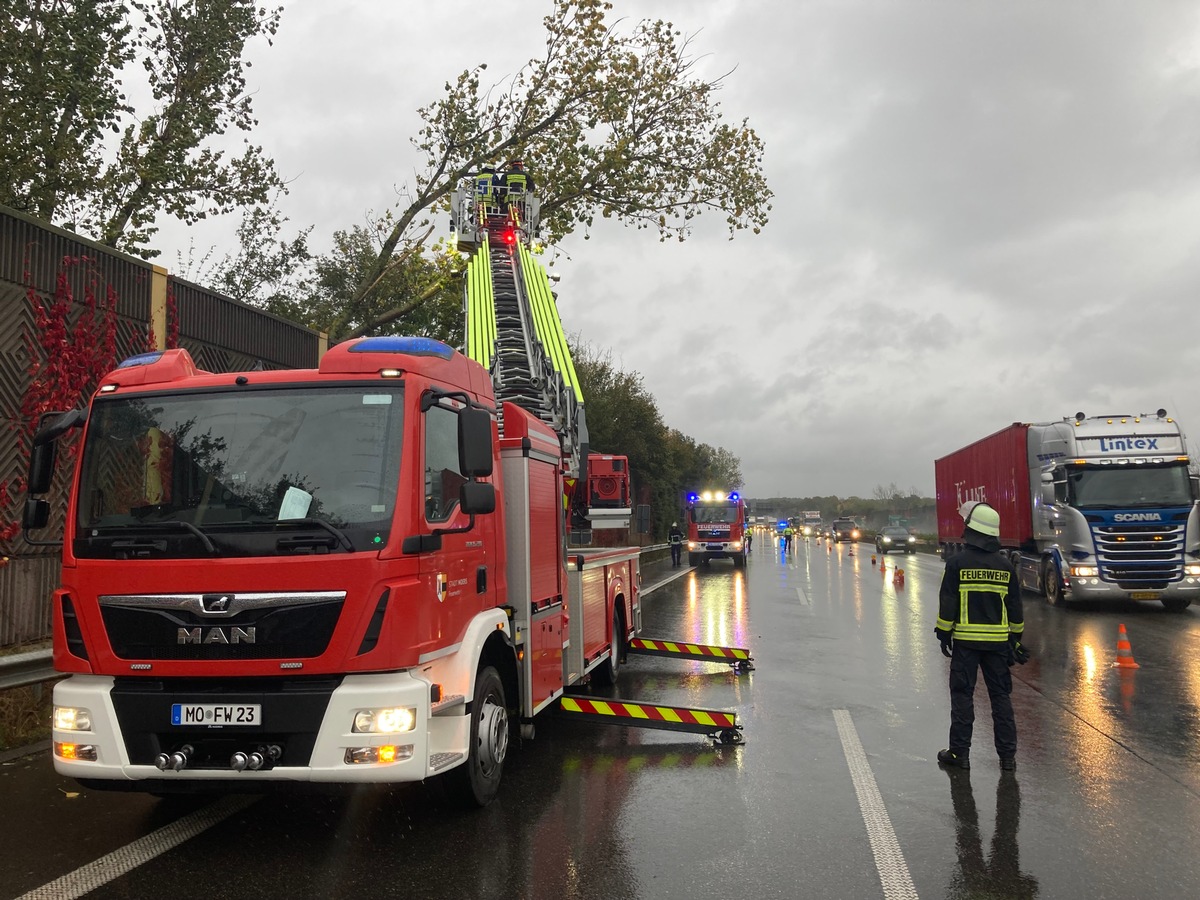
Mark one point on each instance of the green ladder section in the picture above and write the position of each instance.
(546, 321)
(481, 309)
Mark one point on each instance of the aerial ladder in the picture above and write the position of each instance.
(513, 329)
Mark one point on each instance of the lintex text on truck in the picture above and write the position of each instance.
(1100, 507)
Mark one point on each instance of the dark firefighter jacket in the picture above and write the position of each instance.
(980, 598)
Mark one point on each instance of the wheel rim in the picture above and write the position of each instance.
(616, 648)
(1052, 588)
(493, 736)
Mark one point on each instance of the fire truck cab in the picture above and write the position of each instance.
(716, 527)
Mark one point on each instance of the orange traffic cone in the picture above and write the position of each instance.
(898, 578)
(1124, 652)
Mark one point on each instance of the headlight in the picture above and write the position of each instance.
(911, 539)
(392, 720)
(886, 539)
(854, 533)
(1085, 571)
(737, 545)
(1191, 569)
(691, 545)
(71, 718)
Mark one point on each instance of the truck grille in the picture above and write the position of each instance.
(249, 626)
(1139, 557)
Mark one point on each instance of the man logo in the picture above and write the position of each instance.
(215, 603)
(216, 635)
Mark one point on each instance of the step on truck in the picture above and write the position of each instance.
(1091, 507)
(352, 573)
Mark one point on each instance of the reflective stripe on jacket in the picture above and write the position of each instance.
(980, 598)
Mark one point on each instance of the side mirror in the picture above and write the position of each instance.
(41, 467)
(36, 515)
(475, 444)
(477, 497)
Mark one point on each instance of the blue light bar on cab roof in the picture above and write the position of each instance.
(413, 346)
(142, 359)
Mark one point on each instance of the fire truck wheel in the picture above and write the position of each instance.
(477, 781)
(693, 559)
(606, 673)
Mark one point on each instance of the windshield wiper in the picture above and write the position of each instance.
(346, 543)
(167, 523)
(342, 539)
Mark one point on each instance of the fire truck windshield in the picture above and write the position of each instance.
(233, 471)
(714, 515)
(1129, 486)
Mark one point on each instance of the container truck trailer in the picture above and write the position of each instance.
(1091, 508)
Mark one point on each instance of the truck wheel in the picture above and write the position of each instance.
(477, 781)
(606, 673)
(693, 559)
(1051, 583)
(1176, 604)
(739, 561)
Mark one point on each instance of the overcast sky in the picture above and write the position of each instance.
(984, 212)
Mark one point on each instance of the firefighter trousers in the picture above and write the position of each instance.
(965, 664)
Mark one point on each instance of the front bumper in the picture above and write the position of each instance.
(125, 741)
(1088, 588)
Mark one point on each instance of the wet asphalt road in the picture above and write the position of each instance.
(834, 794)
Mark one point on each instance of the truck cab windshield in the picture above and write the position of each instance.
(1120, 488)
(714, 515)
(240, 472)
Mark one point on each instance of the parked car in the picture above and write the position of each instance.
(895, 537)
(845, 530)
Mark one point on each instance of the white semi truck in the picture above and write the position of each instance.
(1100, 507)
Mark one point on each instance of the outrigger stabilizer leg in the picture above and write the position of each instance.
(738, 658)
(720, 726)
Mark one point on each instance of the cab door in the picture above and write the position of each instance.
(458, 573)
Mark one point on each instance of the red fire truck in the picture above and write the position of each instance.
(354, 573)
(716, 527)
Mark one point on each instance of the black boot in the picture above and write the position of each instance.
(950, 758)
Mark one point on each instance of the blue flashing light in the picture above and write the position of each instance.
(413, 346)
(735, 496)
(692, 498)
(142, 359)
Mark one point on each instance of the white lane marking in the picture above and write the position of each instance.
(893, 871)
(667, 580)
(126, 859)
(803, 597)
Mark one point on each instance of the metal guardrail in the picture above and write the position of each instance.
(21, 669)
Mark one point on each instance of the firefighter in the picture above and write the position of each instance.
(980, 624)
(675, 536)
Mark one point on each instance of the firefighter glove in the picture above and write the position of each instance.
(1018, 651)
(947, 641)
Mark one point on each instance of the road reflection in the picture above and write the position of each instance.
(999, 874)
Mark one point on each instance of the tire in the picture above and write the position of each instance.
(693, 559)
(1175, 604)
(1051, 583)
(739, 561)
(606, 673)
(477, 781)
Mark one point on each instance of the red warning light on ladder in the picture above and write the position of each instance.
(510, 236)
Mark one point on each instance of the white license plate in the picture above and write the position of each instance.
(216, 714)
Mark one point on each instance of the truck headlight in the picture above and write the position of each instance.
(72, 718)
(1085, 571)
(392, 720)
(1192, 569)
(691, 545)
(737, 545)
